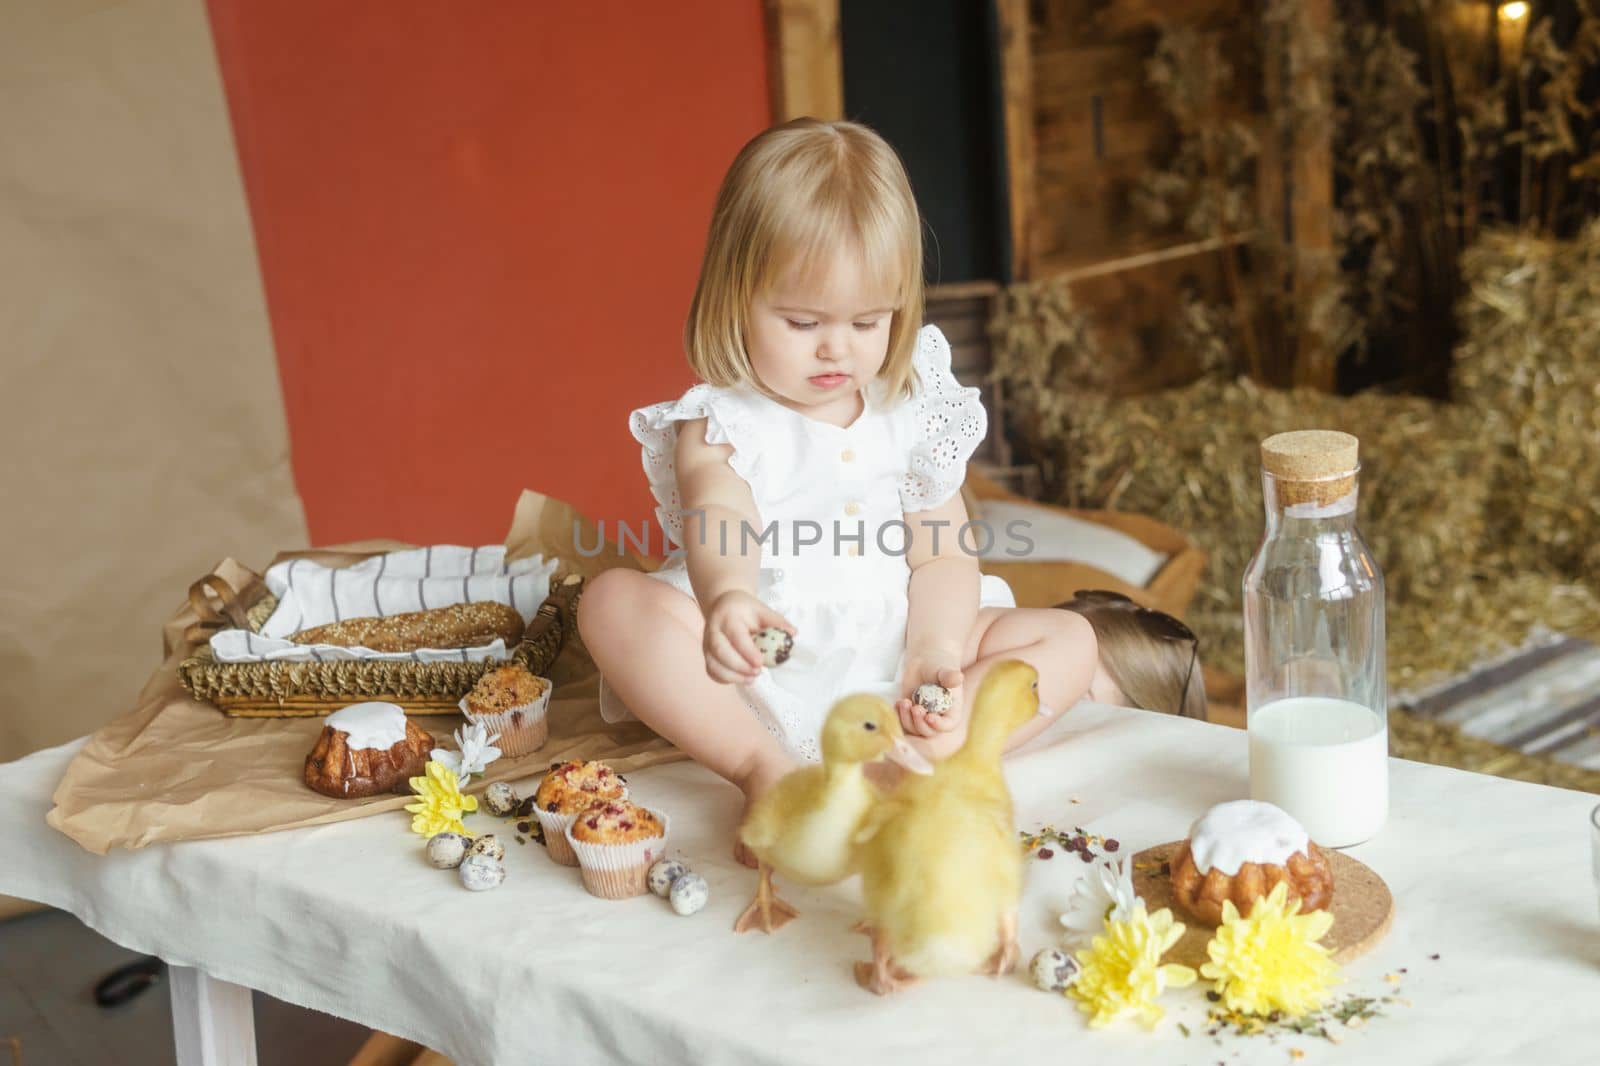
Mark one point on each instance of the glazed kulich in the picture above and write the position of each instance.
(1241, 851)
(366, 749)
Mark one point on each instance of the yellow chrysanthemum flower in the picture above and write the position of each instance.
(441, 804)
(1122, 973)
(1271, 961)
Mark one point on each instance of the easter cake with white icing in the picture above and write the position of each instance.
(1241, 851)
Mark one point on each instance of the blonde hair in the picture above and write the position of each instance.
(1140, 654)
(791, 196)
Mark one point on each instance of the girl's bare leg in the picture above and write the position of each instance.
(1059, 644)
(645, 636)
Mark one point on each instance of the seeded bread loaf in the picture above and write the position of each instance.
(461, 625)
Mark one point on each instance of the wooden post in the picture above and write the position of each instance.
(806, 73)
(1311, 210)
(1016, 86)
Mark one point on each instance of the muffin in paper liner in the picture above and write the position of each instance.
(559, 790)
(523, 728)
(555, 826)
(619, 871)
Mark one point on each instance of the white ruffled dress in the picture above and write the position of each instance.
(846, 488)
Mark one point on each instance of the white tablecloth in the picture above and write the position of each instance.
(1493, 876)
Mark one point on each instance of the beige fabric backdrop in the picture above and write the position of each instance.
(140, 415)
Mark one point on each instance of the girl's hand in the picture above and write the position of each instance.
(937, 666)
(731, 624)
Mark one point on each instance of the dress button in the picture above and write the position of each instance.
(852, 508)
(848, 456)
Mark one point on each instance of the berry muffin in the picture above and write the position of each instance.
(566, 791)
(511, 701)
(616, 843)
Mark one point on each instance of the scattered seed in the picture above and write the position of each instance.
(1111, 844)
(1046, 853)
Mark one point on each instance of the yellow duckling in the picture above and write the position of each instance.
(941, 867)
(803, 827)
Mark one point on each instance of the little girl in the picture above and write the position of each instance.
(811, 483)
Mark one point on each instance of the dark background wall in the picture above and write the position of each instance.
(925, 75)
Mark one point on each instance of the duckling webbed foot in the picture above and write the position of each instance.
(881, 976)
(766, 912)
(1004, 959)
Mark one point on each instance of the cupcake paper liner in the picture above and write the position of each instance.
(555, 835)
(523, 728)
(618, 871)
(555, 826)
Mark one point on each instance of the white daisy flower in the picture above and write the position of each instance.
(475, 751)
(1105, 891)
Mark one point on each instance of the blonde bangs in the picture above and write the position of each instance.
(791, 197)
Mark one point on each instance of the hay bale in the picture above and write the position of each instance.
(1191, 458)
(1528, 368)
(1484, 513)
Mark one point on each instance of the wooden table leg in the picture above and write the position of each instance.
(213, 1023)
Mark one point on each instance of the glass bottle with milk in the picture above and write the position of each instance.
(1314, 645)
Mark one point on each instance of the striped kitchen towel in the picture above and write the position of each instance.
(417, 579)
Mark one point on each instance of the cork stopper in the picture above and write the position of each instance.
(1316, 466)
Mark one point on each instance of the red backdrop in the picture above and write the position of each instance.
(479, 227)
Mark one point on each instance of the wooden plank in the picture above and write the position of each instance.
(382, 1049)
(213, 1022)
(431, 1058)
(1016, 85)
(806, 70)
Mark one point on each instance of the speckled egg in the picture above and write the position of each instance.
(935, 699)
(689, 893)
(1053, 969)
(479, 873)
(500, 799)
(663, 873)
(774, 645)
(446, 850)
(488, 845)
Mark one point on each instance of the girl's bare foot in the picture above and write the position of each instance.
(753, 786)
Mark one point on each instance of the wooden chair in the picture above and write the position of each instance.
(1045, 584)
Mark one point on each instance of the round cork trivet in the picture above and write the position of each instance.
(1311, 465)
(1363, 906)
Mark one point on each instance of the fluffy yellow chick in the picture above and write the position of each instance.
(803, 827)
(941, 867)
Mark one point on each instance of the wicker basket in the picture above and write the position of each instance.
(304, 690)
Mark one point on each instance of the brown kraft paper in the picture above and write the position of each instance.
(177, 769)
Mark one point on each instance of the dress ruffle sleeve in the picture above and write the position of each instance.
(656, 428)
(949, 423)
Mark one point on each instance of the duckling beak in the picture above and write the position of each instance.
(904, 755)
